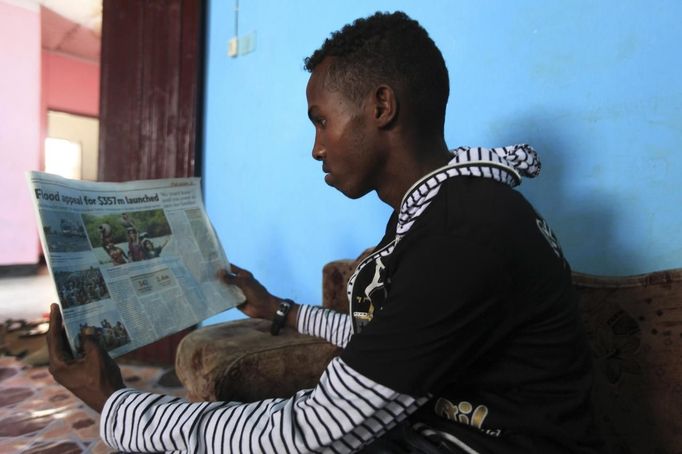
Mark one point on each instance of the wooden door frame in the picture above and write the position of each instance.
(151, 89)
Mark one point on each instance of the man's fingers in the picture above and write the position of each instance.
(90, 345)
(230, 276)
(225, 276)
(235, 268)
(55, 316)
(55, 346)
(240, 271)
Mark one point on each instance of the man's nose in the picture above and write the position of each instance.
(318, 151)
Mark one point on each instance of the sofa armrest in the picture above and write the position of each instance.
(241, 361)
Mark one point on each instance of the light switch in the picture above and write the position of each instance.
(232, 47)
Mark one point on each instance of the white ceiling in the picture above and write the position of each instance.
(72, 27)
(78, 35)
(86, 13)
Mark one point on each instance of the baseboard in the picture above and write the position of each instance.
(18, 270)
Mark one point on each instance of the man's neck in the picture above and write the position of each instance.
(408, 164)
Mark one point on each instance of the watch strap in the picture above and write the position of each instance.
(280, 317)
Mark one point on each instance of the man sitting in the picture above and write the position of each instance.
(463, 333)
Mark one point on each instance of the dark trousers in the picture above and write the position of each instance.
(402, 439)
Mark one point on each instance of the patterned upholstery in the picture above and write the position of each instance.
(634, 325)
(241, 361)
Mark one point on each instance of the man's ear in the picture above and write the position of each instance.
(385, 106)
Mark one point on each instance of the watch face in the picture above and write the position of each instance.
(283, 308)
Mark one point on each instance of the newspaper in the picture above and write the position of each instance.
(132, 262)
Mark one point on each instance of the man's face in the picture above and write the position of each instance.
(344, 139)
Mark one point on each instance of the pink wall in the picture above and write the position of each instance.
(20, 142)
(66, 83)
(70, 84)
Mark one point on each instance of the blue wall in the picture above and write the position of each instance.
(595, 87)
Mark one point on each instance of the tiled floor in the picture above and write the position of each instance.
(38, 416)
(26, 297)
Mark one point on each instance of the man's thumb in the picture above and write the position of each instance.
(89, 343)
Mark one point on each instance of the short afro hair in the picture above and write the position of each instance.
(388, 48)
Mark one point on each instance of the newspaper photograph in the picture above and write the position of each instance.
(131, 262)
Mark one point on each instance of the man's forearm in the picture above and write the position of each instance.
(328, 324)
(343, 413)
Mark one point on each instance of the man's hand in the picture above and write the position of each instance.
(259, 302)
(92, 378)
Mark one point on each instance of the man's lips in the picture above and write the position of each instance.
(327, 174)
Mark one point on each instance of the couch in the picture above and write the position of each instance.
(634, 325)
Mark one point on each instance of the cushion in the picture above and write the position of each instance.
(241, 361)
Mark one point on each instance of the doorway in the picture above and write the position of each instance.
(71, 145)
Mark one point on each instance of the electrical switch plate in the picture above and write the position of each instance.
(232, 47)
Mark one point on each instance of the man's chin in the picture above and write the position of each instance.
(348, 192)
(351, 194)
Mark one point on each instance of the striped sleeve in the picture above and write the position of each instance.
(343, 413)
(330, 325)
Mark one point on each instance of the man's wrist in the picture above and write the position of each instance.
(102, 400)
(279, 320)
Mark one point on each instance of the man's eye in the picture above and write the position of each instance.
(321, 122)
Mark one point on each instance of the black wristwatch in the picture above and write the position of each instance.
(280, 316)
